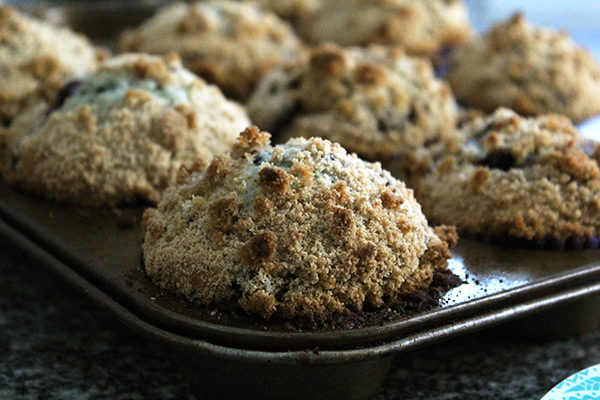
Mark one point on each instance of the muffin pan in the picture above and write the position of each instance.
(226, 356)
(528, 292)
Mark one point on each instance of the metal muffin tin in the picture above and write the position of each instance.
(530, 292)
(98, 251)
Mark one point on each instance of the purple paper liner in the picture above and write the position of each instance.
(554, 244)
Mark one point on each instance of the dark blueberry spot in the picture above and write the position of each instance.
(62, 95)
(332, 157)
(295, 83)
(287, 118)
(5, 123)
(289, 277)
(530, 160)
(236, 288)
(347, 84)
(106, 86)
(441, 70)
(499, 159)
(444, 57)
(258, 159)
(381, 125)
(412, 116)
(589, 148)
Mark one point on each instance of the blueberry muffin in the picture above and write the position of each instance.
(529, 69)
(289, 10)
(423, 27)
(526, 178)
(374, 101)
(36, 58)
(119, 135)
(294, 230)
(227, 43)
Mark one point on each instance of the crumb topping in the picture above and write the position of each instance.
(120, 135)
(422, 27)
(530, 69)
(227, 43)
(531, 178)
(373, 101)
(297, 229)
(290, 10)
(36, 58)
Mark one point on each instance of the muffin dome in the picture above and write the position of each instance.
(374, 101)
(422, 27)
(292, 230)
(290, 10)
(119, 135)
(227, 43)
(36, 58)
(531, 70)
(526, 178)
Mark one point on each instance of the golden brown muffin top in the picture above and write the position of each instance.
(422, 27)
(297, 229)
(531, 178)
(120, 134)
(228, 43)
(36, 58)
(530, 69)
(375, 101)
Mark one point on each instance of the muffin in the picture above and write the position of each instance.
(374, 101)
(119, 135)
(532, 179)
(531, 70)
(227, 43)
(289, 10)
(299, 229)
(423, 27)
(37, 58)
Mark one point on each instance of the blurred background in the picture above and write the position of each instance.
(580, 18)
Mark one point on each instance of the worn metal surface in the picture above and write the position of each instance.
(98, 251)
(97, 246)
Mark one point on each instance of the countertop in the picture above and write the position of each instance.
(56, 344)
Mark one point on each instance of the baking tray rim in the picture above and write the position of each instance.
(260, 339)
(307, 356)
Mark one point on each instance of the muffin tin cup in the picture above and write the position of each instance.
(97, 251)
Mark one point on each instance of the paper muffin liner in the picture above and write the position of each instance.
(550, 243)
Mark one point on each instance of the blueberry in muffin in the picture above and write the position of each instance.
(531, 179)
(120, 134)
